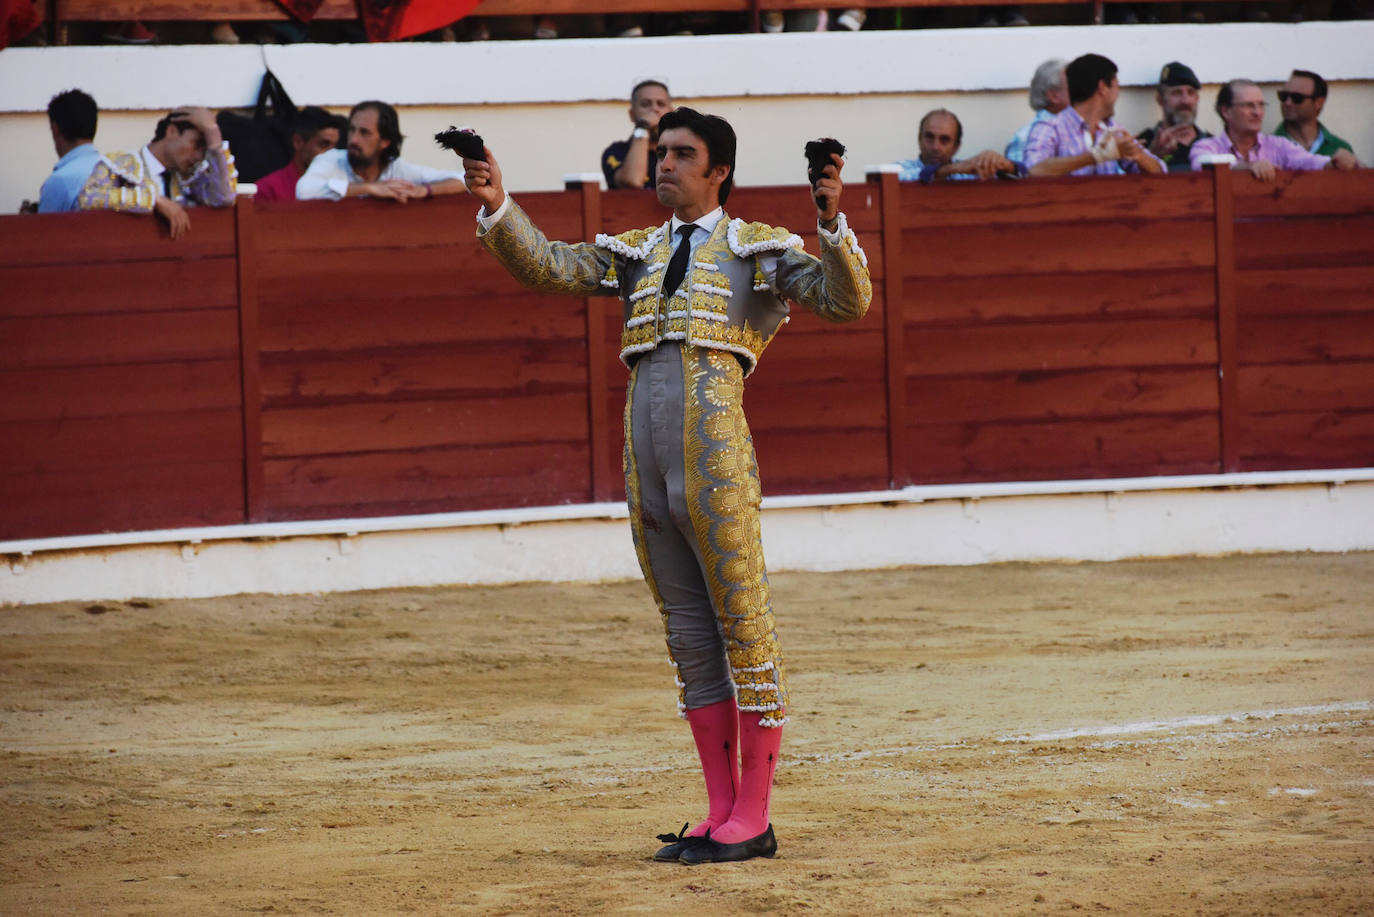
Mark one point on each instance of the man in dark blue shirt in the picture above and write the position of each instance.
(631, 163)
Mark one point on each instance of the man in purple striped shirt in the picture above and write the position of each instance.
(1241, 106)
(1082, 139)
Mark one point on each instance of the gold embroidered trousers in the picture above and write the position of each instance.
(693, 491)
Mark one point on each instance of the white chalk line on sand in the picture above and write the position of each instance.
(1188, 722)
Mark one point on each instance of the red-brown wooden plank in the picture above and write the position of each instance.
(599, 420)
(815, 406)
(944, 350)
(332, 325)
(86, 340)
(895, 349)
(1223, 184)
(1019, 297)
(250, 349)
(79, 392)
(1105, 393)
(1306, 338)
(398, 426)
(1127, 245)
(134, 286)
(1111, 200)
(1312, 387)
(433, 480)
(112, 497)
(1311, 242)
(378, 226)
(1298, 290)
(822, 461)
(155, 441)
(1325, 193)
(516, 366)
(1064, 449)
(1326, 439)
(46, 239)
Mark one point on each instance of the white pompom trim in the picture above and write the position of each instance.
(764, 245)
(612, 244)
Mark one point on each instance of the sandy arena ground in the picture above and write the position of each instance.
(1157, 737)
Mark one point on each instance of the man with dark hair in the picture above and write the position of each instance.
(1082, 139)
(630, 163)
(315, 131)
(1301, 102)
(1240, 103)
(702, 296)
(939, 135)
(1177, 131)
(72, 117)
(1049, 95)
(372, 166)
(189, 161)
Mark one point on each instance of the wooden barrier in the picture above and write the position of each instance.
(297, 361)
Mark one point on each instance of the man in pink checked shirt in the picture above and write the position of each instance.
(1083, 139)
(1241, 106)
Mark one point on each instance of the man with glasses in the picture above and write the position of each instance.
(1240, 103)
(1301, 102)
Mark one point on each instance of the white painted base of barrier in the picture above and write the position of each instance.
(799, 534)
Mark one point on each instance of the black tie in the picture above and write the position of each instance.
(677, 267)
(167, 183)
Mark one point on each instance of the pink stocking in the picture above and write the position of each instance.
(716, 731)
(758, 746)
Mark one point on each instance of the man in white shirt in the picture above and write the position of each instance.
(372, 165)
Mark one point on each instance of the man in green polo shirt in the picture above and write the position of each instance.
(1302, 101)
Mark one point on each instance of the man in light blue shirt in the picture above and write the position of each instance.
(372, 165)
(72, 117)
(1049, 95)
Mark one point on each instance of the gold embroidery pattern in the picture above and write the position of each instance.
(551, 267)
(722, 488)
(839, 291)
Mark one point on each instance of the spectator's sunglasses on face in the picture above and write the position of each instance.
(1297, 98)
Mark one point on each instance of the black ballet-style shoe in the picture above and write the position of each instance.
(709, 851)
(677, 843)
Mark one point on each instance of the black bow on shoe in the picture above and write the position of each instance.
(676, 844)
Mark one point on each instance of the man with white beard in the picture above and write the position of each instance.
(1177, 131)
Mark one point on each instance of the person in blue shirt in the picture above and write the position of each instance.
(72, 116)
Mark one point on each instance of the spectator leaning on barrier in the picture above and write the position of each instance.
(189, 160)
(939, 136)
(72, 117)
(372, 165)
(1241, 106)
(315, 131)
(631, 163)
(1082, 139)
(1049, 95)
(1177, 131)
(1301, 102)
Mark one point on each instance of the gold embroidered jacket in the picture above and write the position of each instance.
(726, 301)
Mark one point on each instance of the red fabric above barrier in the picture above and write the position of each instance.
(388, 20)
(304, 10)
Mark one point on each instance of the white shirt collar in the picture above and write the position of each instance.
(707, 222)
(152, 164)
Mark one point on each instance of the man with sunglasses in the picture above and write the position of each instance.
(1240, 103)
(1301, 102)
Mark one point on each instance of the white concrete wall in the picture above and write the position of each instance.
(549, 108)
(959, 525)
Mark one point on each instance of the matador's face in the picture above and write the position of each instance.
(686, 180)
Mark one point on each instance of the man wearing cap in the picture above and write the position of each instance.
(1301, 102)
(1177, 131)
